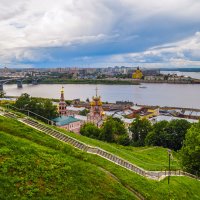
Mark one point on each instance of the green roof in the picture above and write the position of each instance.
(64, 120)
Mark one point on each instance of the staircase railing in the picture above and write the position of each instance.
(30, 113)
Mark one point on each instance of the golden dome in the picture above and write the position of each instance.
(96, 101)
(62, 90)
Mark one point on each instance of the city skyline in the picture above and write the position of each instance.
(100, 33)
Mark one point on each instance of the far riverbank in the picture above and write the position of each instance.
(115, 81)
(89, 81)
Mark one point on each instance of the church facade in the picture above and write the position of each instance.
(64, 120)
(96, 114)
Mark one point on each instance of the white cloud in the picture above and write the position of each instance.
(27, 25)
(170, 54)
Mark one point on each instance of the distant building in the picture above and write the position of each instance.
(151, 72)
(71, 110)
(137, 74)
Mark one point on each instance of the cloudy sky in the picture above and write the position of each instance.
(89, 33)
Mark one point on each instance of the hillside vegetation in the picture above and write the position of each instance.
(149, 158)
(33, 168)
(36, 166)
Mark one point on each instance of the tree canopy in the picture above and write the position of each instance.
(90, 130)
(43, 107)
(139, 129)
(84, 112)
(114, 130)
(2, 94)
(190, 152)
(168, 134)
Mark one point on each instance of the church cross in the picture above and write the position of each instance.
(96, 91)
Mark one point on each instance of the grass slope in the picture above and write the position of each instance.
(35, 165)
(149, 158)
(29, 169)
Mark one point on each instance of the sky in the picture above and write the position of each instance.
(99, 33)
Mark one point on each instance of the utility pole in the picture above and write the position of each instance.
(169, 170)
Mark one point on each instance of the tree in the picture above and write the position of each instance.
(45, 108)
(2, 94)
(168, 134)
(190, 152)
(23, 101)
(50, 110)
(124, 140)
(90, 130)
(139, 129)
(156, 137)
(84, 112)
(107, 131)
(114, 130)
(175, 133)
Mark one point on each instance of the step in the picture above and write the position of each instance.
(78, 145)
(82, 146)
(73, 142)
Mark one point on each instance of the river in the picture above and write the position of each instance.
(179, 95)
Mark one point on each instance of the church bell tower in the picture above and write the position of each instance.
(62, 105)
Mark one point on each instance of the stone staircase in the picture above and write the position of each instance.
(84, 147)
(56, 134)
(155, 175)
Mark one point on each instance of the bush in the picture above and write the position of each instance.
(90, 130)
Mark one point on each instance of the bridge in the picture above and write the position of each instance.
(19, 81)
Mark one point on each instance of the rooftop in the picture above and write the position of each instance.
(72, 108)
(65, 120)
(170, 118)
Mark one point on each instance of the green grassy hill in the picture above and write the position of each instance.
(36, 166)
(39, 167)
(149, 158)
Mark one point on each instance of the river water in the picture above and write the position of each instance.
(179, 95)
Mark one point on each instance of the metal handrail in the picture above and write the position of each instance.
(50, 122)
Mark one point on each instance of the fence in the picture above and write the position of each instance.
(30, 113)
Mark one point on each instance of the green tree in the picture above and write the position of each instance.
(23, 101)
(139, 129)
(2, 94)
(168, 134)
(49, 110)
(156, 137)
(84, 112)
(90, 130)
(190, 152)
(107, 131)
(43, 107)
(124, 140)
(175, 133)
(114, 130)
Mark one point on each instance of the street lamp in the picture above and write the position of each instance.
(169, 172)
(169, 154)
